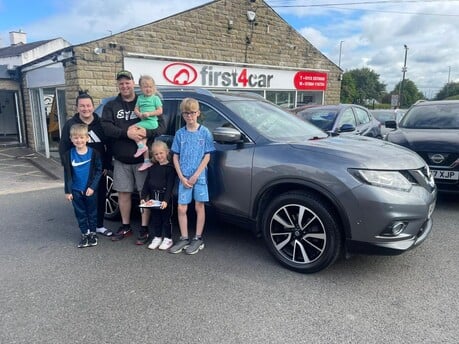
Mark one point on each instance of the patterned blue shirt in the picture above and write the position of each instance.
(191, 146)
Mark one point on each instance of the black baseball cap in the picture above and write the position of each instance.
(124, 74)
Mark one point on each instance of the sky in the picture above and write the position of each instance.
(352, 33)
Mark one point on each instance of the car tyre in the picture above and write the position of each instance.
(301, 232)
(112, 210)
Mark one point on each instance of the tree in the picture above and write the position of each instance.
(450, 89)
(360, 86)
(410, 93)
(348, 89)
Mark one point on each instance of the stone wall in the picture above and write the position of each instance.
(201, 33)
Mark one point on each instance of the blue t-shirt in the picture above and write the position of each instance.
(80, 165)
(191, 146)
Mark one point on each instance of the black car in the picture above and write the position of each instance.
(342, 119)
(431, 129)
(313, 197)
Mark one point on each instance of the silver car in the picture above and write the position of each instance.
(312, 197)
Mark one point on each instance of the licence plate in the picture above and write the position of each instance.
(445, 174)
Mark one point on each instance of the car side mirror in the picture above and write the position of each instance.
(346, 128)
(390, 124)
(226, 135)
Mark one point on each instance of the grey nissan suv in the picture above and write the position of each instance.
(312, 197)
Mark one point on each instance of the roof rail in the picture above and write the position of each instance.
(189, 89)
(243, 93)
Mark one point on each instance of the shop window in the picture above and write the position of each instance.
(285, 99)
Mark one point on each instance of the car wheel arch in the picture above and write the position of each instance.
(302, 231)
(274, 189)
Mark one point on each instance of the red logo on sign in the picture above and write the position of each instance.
(180, 74)
(312, 81)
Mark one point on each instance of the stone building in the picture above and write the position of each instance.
(19, 53)
(230, 45)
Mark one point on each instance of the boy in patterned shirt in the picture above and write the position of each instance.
(191, 147)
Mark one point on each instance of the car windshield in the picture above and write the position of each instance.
(274, 123)
(434, 116)
(384, 116)
(322, 118)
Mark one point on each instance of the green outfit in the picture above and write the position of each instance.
(148, 104)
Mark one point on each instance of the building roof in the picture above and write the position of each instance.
(18, 49)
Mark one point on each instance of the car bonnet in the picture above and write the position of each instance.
(425, 140)
(363, 152)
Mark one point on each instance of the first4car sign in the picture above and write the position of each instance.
(221, 76)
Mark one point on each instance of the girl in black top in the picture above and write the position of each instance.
(158, 186)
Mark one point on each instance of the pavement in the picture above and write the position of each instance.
(22, 169)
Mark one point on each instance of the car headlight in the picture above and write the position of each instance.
(385, 179)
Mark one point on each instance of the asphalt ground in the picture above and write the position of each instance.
(231, 292)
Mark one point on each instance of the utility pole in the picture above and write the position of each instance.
(447, 85)
(340, 49)
(403, 78)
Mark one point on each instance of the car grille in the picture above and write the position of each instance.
(441, 160)
(444, 162)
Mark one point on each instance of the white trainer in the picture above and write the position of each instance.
(155, 243)
(166, 244)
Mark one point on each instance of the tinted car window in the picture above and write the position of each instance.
(347, 118)
(322, 118)
(384, 115)
(362, 116)
(210, 118)
(435, 116)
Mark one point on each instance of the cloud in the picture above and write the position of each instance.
(315, 37)
(373, 33)
(86, 20)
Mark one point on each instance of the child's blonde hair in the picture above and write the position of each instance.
(79, 129)
(189, 104)
(149, 78)
(159, 145)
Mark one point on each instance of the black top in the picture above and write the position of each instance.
(97, 139)
(117, 116)
(160, 180)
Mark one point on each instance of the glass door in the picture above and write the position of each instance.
(61, 110)
(9, 129)
(40, 129)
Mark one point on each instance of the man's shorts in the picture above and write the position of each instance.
(127, 178)
(198, 192)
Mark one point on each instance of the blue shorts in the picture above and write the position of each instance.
(198, 192)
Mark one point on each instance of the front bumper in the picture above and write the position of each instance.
(375, 211)
(393, 246)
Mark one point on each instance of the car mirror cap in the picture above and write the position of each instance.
(391, 124)
(226, 135)
(345, 128)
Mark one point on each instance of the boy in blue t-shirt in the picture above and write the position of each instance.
(82, 172)
(191, 147)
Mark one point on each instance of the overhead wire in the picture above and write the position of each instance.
(339, 6)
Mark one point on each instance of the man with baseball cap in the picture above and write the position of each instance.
(124, 74)
(118, 122)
